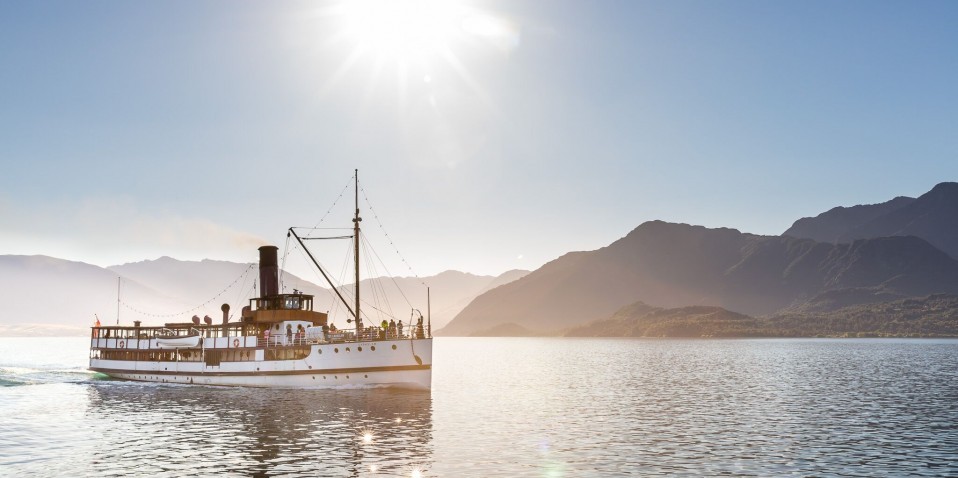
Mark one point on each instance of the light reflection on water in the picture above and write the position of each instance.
(509, 407)
(205, 431)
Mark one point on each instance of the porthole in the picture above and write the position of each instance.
(320, 351)
(373, 348)
(336, 377)
(359, 349)
(311, 367)
(347, 349)
(394, 346)
(365, 376)
(324, 377)
(314, 377)
(336, 350)
(347, 377)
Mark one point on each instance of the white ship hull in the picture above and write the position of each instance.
(400, 363)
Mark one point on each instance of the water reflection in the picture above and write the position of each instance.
(187, 431)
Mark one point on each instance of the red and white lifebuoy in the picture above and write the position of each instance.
(235, 343)
(121, 344)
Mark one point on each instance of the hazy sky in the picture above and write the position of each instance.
(489, 135)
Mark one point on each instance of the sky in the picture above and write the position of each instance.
(488, 135)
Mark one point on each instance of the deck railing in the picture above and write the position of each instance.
(118, 338)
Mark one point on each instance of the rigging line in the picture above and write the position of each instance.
(334, 202)
(391, 243)
(331, 207)
(321, 238)
(371, 288)
(337, 304)
(282, 267)
(304, 228)
(245, 272)
(242, 286)
(330, 293)
(374, 284)
(371, 265)
(393, 279)
(305, 238)
(386, 313)
(348, 292)
(343, 290)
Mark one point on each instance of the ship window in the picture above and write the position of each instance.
(394, 346)
(359, 349)
(336, 350)
(373, 348)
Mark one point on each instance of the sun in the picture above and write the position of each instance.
(424, 32)
(402, 30)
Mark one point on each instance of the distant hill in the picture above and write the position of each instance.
(932, 217)
(49, 296)
(677, 265)
(643, 320)
(44, 293)
(930, 316)
(450, 292)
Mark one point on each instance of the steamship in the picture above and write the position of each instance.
(279, 341)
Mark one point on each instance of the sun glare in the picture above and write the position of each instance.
(414, 30)
(401, 29)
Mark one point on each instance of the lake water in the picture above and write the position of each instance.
(511, 408)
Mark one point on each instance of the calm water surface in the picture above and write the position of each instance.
(508, 407)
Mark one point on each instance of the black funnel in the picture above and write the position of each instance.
(268, 271)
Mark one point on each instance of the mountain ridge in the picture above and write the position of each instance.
(930, 216)
(677, 265)
(73, 292)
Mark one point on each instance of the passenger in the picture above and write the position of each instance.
(399, 326)
(289, 334)
(392, 328)
(382, 333)
(326, 332)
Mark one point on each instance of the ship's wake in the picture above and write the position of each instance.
(11, 376)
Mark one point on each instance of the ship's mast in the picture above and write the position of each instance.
(356, 220)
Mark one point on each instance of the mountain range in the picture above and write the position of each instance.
(854, 256)
(931, 216)
(825, 274)
(49, 296)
